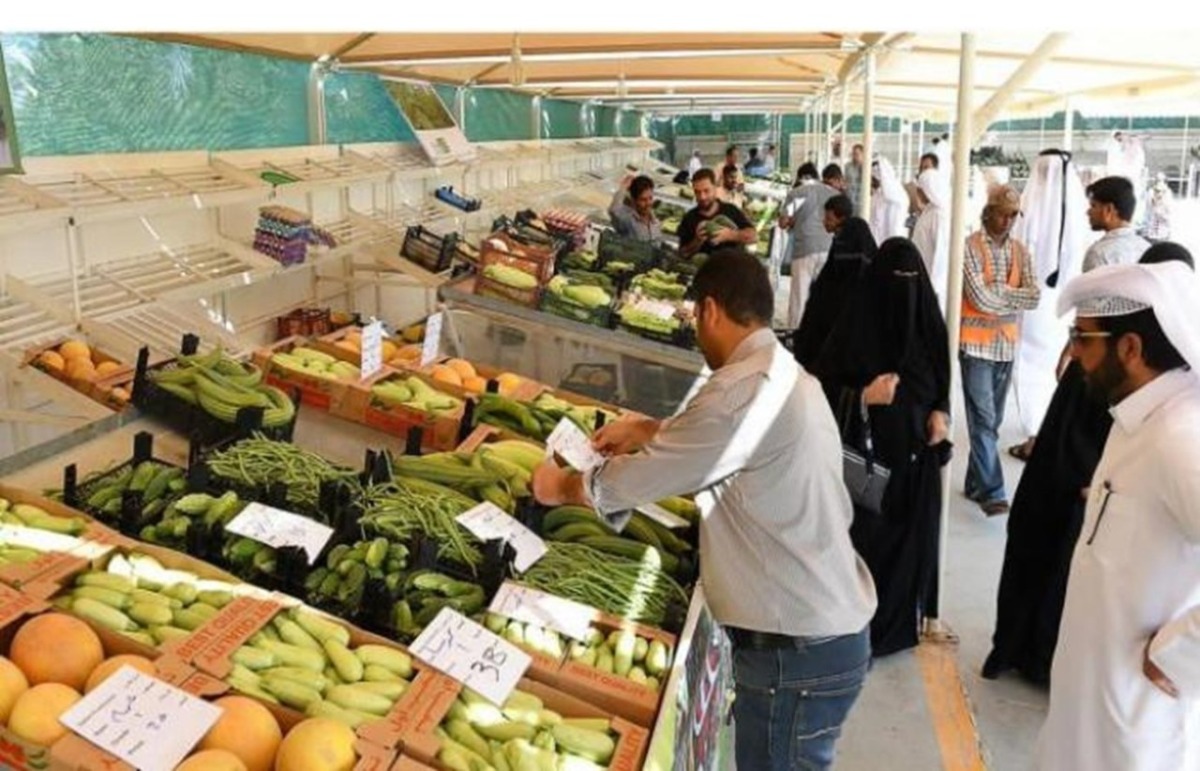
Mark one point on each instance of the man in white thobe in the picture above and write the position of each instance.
(889, 201)
(1125, 683)
(1054, 226)
(931, 233)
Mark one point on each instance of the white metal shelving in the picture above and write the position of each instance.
(23, 325)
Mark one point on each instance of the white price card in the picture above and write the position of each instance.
(372, 349)
(469, 653)
(569, 441)
(431, 347)
(662, 516)
(532, 606)
(276, 527)
(147, 723)
(656, 308)
(488, 522)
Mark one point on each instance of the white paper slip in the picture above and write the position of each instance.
(372, 349)
(469, 653)
(532, 606)
(432, 346)
(569, 441)
(276, 527)
(142, 720)
(488, 522)
(662, 516)
(656, 308)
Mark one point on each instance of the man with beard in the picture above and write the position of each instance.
(1126, 671)
(632, 210)
(694, 236)
(1111, 205)
(1047, 513)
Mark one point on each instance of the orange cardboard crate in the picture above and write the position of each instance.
(72, 753)
(93, 540)
(333, 344)
(424, 706)
(439, 432)
(321, 393)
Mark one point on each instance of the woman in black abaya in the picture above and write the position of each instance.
(892, 325)
(851, 251)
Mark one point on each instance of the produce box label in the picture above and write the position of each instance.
(569, 442)
(21, 755)
(470, 654)
(231, 628)
(533, 606)
(488, 522)
(432, 344)
(415, 714)
(276, 528)
(372, 349)
(142, 720)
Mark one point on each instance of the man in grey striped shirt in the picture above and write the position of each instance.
(759, 446)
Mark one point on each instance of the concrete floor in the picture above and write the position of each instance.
(891, 726)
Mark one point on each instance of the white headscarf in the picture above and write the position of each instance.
(935, 184)
(1172, 289)
(890, 207)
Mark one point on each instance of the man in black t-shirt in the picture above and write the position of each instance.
(693, 237)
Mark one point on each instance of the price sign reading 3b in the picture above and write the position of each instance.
(469, 653)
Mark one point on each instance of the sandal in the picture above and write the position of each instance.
(1021, 451)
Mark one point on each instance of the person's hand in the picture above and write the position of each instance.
(626, 181)
(724, 236)
(937, 427)
(1156, 675)
(550, 483)
(882, 390)
(624, 436)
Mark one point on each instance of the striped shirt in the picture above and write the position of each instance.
(996, 297)
(759, 445)
(627, 222)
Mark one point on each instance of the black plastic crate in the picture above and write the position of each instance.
(640, 255)
(684, 337)
(191, 420)
(432, 252)
(131, 515)
(582, 380)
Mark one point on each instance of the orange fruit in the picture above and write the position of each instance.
(75, 349)
(444, 374)
(111, 665)
(56, 648)
(246, 729)
(105, 368)
(52, 360)
(463, 367)
(35, 714)
(13, 683)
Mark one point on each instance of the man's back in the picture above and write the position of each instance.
(809, 231)
(1122, 246)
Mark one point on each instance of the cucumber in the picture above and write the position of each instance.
(349, 667)
(590, 745)
(104, 615)
(360, 699)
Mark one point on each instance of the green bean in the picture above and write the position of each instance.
(401, 509)
(261, 461)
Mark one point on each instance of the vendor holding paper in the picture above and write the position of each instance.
(759, 446)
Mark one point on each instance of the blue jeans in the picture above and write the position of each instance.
(985, 389)
(791, 702)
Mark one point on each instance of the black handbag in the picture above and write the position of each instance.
(865, 479)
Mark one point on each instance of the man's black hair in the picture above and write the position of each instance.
(1117, 191)
(639, 185)
(831, 172)
(932, 158)
(737, 281)
(807, 170)
(705, 173)
(841, 207)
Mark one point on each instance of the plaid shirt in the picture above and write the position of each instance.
(997, 297)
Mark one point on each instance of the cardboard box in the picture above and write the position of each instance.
(209, 648)
(83, 386)
(425, 705)
(333, 344)
(439, 432)
(94, 541)
(318, 392)
(71, 753)
(406, 763)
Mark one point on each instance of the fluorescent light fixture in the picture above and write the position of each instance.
(591, 56)
(653, 83)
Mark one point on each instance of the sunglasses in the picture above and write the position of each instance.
(1076, 334)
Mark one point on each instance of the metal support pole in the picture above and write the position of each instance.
(317, 127)
(920, 143)
(1068, 123)
(864, 189)
(958, 222)
(460, 107)
(827, 145)
(1183, 155)
(535, 118)
(74, 254)
(845, 116)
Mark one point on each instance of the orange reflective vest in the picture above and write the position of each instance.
(980, 328)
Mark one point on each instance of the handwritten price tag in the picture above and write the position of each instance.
(536, 607)
(142, 720)
(432, 345)
(469, 653)
(656, 308)
(372, 349)
(489, 522)
(276, 527)
(569, 441)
